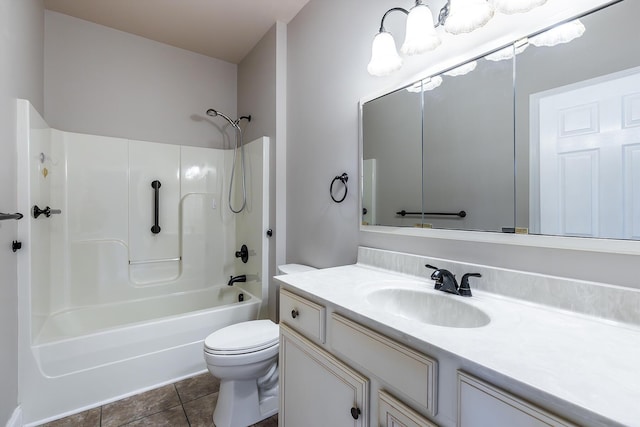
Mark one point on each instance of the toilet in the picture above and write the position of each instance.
(244, 356)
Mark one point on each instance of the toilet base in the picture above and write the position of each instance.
(239, 405)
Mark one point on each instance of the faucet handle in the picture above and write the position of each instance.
(436, 275)
(464, 289)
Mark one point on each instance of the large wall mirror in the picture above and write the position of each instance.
(542, 136)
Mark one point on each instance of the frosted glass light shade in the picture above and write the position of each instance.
(425, 85)
(516, 6)
(462, 69)
(421, 34)
(467, 15)
(561, 34)
(506, 53)
(384, 57)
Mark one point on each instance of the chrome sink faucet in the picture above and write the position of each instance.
(446, 281)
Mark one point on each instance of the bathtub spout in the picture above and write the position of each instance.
(234, 279)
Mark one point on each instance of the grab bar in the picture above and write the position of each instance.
(460, 214)
(155, 229)
(4, 216)
(46, 211)
(154, 261)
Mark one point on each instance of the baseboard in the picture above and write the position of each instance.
(16, 418)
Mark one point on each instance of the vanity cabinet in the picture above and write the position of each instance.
(400, 368)
(316, 389)
(394, 413)
(321, 373)
(480, 404)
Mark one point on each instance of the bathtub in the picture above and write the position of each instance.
(143, 344)
(107, 309)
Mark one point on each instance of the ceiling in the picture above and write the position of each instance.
(223, 29)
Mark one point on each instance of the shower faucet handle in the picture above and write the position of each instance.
(243, 254)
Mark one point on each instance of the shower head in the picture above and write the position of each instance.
(214, 113)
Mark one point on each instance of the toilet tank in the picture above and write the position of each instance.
(294, 268)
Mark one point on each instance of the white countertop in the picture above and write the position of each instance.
(589, 363)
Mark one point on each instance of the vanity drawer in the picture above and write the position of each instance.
(411, 374)
(302, 315)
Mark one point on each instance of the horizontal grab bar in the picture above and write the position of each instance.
(154, 261)
(460, 214)
(4, 216)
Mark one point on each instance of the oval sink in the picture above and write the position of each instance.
(426, 307)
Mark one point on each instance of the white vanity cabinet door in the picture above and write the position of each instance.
(316, 389)
(393, 413)
(482, 405)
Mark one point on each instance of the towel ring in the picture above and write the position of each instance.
(342, 178)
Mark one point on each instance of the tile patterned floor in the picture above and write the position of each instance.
(187, 403)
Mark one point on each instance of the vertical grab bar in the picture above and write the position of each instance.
(155, 229)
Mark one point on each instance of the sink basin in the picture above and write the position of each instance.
(428, 307)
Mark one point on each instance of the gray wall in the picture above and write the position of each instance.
(328, 50)
(106, 82)
(257, 97)
(21, 76)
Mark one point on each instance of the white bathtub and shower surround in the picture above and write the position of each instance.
(103, 299)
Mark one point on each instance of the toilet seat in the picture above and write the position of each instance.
(243, 338)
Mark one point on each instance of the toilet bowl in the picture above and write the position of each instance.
(244, 356)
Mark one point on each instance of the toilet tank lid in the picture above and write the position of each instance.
(253, 335)
(294, 268)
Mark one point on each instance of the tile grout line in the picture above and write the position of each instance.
(184, 411)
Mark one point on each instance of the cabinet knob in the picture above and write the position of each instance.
(294, 313)
(355, 413)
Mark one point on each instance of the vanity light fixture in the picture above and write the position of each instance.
(508, 52)
(561, 34)
(421, 34)
(425, 85)
(456, 16)
(467, 15)
(462, 69)
(509, 7)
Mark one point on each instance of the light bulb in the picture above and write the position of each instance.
(384, 57)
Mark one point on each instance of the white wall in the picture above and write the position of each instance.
(106, 82)
(328, 51)
(21, 76)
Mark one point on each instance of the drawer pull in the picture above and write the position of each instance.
(355, 413)
(294, 313)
